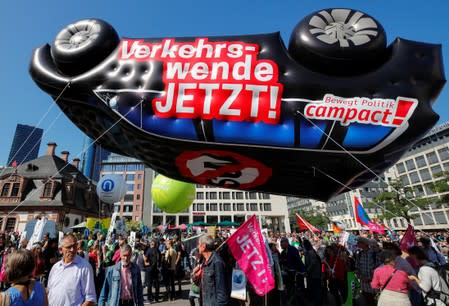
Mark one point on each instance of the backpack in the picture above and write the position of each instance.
(443, 293)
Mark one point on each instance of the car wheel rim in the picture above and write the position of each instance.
(341, 27)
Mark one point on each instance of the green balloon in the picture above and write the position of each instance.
(172, 196)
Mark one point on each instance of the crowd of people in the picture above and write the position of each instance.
(308, 269)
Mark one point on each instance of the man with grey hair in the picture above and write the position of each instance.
(71, 280)
(122, 284)
(212, 271)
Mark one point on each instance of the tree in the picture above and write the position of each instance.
(398, 202)
(441, 186)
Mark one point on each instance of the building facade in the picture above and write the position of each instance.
(25, 144)
(133, 170)
(420, 168)
(213, 205)
(49, 187)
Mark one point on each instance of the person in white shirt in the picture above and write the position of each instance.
(71, 280)
(428, 278)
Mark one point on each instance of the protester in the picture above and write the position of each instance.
(392, 282)
(152, 262)
(213, 282)
(313, 272)
(71, 280)
(169, 269)
(428, 278)
(334, 267)
(292, 268)
(24, 289)
(122, 285)
(433, 254)
(366, 260)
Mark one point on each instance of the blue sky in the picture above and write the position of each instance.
(25, 25)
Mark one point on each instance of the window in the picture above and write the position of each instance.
(128, 198)
(200, 207)
(213, 207)
(10, 225)
(414, 178)
(435, 169)
(429, 189)
(225, 218)
(419, 191)
(227, 207)
(130, 187)
(213, 196)
(128, 208)
(421, 161)
(137, 196)
(239, 195)
(432, 158)
(400, 167)
(444, 153)
(138, 208)
(212, 219)
(252, 195)
(446, 167)
(410, 164)
(5, 190)
(226, 195)
(183, 219)
(157, 220)
(130, 177)
(139, 176)
(15, 189)
(116, 208)
(200, 195)
(265, 196)
(48, 190)
(267, 206)
(240, 207)
(139, 186)
(425, 174)
(198, 218)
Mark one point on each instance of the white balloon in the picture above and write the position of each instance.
(111, 188)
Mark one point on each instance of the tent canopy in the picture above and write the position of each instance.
(81, 225)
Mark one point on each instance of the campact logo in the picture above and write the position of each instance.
(385, 112)
(107, 185)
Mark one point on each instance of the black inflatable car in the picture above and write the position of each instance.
(245, 112)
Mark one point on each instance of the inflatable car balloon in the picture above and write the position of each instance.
(172, 196)
(246, 112)
(111, 188)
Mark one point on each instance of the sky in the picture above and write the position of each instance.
(26, 25)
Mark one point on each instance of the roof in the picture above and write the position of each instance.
(47, 166)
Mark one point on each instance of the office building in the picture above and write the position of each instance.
(25, 144)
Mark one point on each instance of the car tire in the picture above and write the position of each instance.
(82, 45)
(338, 42)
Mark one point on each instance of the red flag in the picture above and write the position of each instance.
(248, 248)
(304, 225)
(408, 240)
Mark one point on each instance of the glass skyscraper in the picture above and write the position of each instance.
(25, 144)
